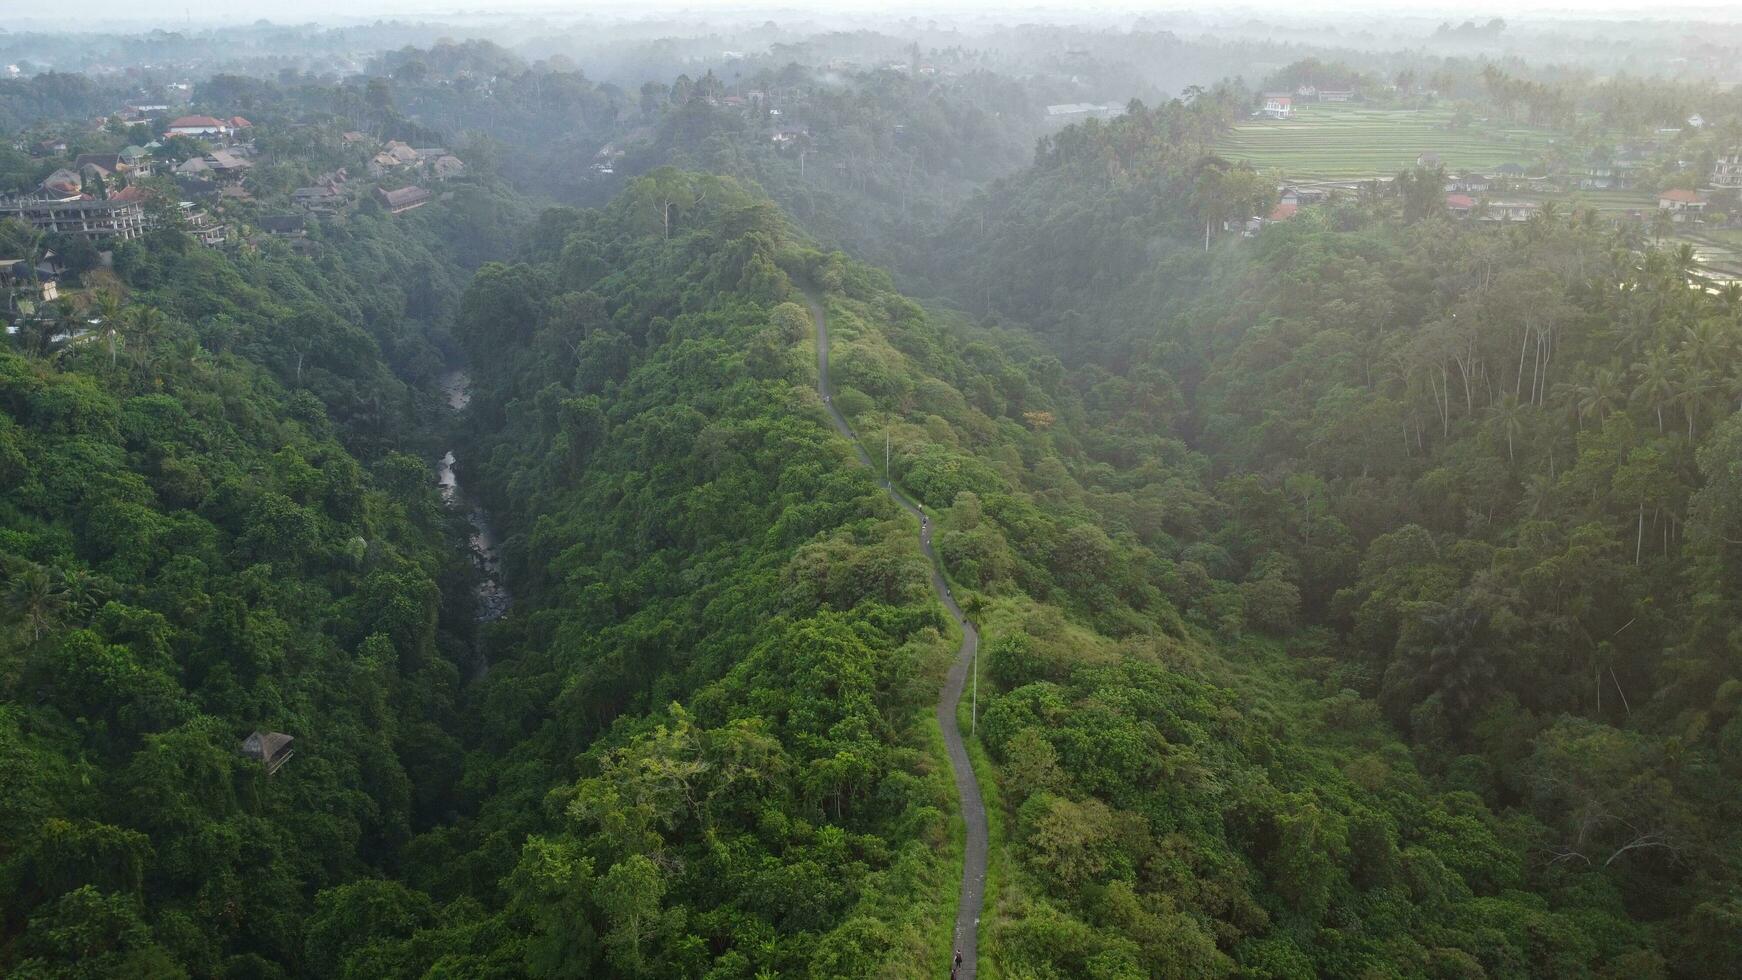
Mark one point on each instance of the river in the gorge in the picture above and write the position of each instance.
(492, 597)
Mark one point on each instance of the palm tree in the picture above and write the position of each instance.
(1732, 296)
(1656, 387)
(1538, 493)
(109, 315)
(1697, 384)
(1684, 257)
(85, 593)
(1661, 225)
(1705, 344)
(36, 597)
(1566, 395)
(1508, 417)
(1631, 235)
(1601, 394)
(144, 326)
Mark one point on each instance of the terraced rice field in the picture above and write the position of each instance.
(1719, 251)
(1345, 142)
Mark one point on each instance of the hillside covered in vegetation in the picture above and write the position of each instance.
(1355, 587)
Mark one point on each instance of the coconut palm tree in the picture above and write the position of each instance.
(1601, 394)
(85, 593)
(1684, 257)
(1656, 385)
(1538, 493)
(108, 307)
(36, 596)
(145, 324)
(1697, 385)
(1508, 417)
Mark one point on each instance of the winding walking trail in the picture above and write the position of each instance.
(967, 790)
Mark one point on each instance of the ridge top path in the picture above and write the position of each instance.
(972, 896)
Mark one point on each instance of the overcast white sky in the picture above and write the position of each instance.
(175, 14)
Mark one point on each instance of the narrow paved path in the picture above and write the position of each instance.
(967, 790)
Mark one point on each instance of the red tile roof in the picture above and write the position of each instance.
(1283, 212)
(1681, 196)
(205, 122)
(1460, 202)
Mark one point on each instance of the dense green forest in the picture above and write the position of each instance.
(1477, 483)
(1249, 718)
(219, 517)
(1358, 594)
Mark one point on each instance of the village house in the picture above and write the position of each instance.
(24, 289)
(201, 226)
(228, 163)
(403, 199)
(1336, 95)
(1088, 109)
(63, 185)
(197, 126)
(1592, 178)
(321, 197)
(1682, 205)
(137, 158)
(1429, 159)
(270, 749)
(224, 165)
(447, 167)
(1506, 211)
(351, 137)
(108, 163)
(282, 225)
(1464, 206)
(1469, 183)
(1277, 105)
(392, 157)
(198, 185)
(1302, 196)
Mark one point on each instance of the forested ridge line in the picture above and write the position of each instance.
(1182, 796)
(971, 896)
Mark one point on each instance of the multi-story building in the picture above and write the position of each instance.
(1727, 171)
(94, 219)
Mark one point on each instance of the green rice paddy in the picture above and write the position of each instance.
(1346, 142)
